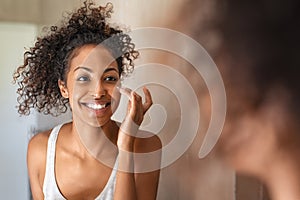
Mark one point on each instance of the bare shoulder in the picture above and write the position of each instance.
(147, 142)
(36, 162)
(38, 143)
(36, 152)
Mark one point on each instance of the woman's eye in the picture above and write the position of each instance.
(83, 78)
(110, 78)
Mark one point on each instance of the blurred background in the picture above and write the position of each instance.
(187, 178)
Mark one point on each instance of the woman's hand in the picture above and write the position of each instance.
(136, 108)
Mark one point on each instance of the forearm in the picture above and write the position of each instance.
(125, 183)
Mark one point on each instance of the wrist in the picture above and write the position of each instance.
(129, 127)
(125, 141)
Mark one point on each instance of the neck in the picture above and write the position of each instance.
(100, 142)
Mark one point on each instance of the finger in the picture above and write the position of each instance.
(136, 103)
(148, 99)
(137, 97)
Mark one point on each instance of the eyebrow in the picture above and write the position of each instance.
(90, 70)
(84, 68)
(110, 69)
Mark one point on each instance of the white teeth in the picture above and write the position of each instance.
(96, 106)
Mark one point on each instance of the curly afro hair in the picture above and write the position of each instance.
(48, 61)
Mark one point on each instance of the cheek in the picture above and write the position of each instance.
(115, 98)
(112, 90)
(71, 99)
(75, 93)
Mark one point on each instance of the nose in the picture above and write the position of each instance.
(99, 91)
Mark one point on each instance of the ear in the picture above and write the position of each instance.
(63, 89)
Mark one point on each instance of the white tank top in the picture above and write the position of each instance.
(50, 188)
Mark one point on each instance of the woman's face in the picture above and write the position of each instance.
(91, 83)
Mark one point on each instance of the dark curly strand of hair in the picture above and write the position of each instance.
(48, 61)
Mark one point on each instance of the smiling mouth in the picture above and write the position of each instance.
(95, 106)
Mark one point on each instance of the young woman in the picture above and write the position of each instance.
(79, 65)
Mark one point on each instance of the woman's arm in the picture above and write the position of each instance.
(130, 183)
(147, 167)
(138, 176)
(125, 183)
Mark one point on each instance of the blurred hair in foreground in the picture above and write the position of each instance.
(255, 44)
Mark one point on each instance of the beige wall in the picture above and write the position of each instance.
(20, 11)
(34, 11)
(44, 12)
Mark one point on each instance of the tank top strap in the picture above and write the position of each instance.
(50, 188)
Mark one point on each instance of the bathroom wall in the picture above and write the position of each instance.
(14, 129)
